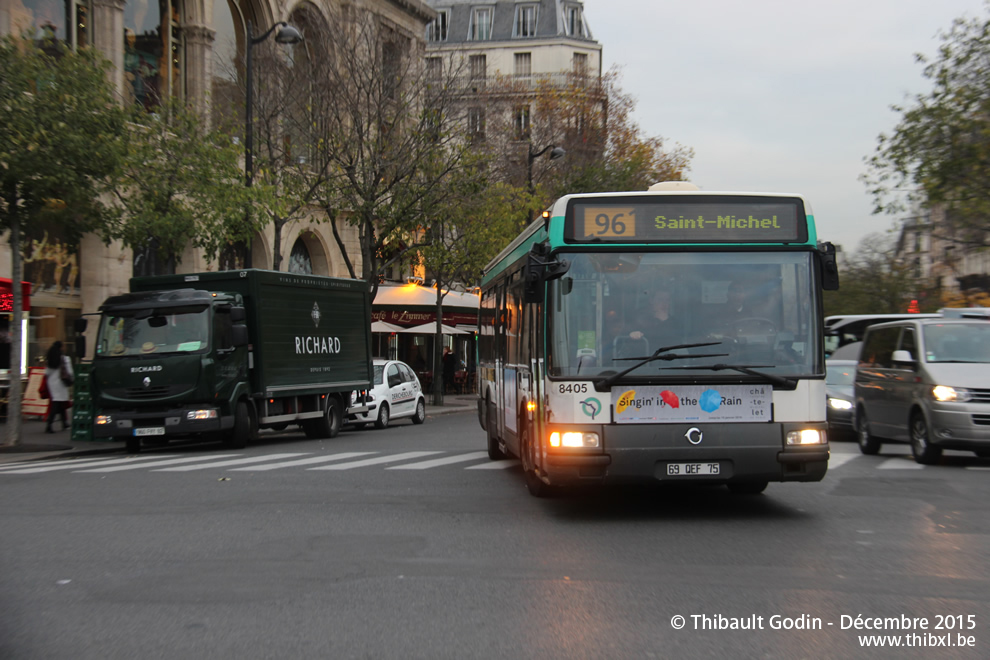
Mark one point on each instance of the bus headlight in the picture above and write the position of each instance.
(574, 439)
(839, 404)
(945, 393)
(210, 413)
(805, 437)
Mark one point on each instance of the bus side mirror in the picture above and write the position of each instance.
(828, 267)
(239, 335)
(533, 280)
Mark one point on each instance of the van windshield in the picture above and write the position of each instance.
(957, 342)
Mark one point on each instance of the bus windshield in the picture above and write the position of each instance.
(755, 309)
(172, 330)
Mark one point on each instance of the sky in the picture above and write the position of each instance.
(774, 95)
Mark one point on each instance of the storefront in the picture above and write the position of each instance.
(411, 305)
(7, 322)
(51, 265)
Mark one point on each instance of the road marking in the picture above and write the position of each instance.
(838, 460)
(377, 461)
(65, 461)
(75, 465)
(238, 461)
(305, 461)
(425, 465)
(494, 465)
(901, 463)
(147, 466)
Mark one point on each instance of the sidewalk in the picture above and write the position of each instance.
(36, 444)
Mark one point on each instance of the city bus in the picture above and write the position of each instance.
(576, 379)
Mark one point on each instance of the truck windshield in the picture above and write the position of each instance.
(757, 309)
(172, 330)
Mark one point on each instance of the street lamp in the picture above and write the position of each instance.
(286, 35)
(555, 154)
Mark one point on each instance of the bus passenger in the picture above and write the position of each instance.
(657, 324)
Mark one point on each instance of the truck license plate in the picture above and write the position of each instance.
(691, 469)
(150, 430)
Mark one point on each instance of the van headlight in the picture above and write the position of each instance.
(946, 393)
(839, 404)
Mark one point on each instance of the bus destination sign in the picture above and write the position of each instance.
(734, 219)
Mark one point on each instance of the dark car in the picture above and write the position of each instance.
(840, 375)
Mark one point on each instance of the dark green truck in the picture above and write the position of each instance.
(220, 355)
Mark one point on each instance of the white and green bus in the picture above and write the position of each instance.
(671, 335)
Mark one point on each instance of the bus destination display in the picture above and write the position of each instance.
(713, 220)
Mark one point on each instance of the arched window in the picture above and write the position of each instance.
(62, 20)
(153, 51)
(227, 100)
(299, 261)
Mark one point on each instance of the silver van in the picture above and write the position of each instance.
(925, 381)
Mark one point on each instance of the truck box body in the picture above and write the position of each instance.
(308, 333)
(222, 354)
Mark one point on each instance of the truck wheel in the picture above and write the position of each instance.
(239, 436)
(133, 445)
(327, 426)
(420, 415)
(382, 420)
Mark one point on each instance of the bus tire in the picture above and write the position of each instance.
(536, 486)
(747, 487)
(494, 452)
(868, 443)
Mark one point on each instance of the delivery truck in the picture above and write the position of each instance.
(219, 355)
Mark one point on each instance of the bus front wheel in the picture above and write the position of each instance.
(494, 452)
(536, 486)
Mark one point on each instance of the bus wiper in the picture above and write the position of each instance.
(748, 369)
(604, 384)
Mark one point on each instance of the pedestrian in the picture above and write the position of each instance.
(59, 377)
(449, 367)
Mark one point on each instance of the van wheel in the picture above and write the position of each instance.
(868, 444)
(420, 415)
(924, 451)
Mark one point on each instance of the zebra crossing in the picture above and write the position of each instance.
(408, 460)
(354, 460)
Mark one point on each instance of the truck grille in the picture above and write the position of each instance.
(142, 393)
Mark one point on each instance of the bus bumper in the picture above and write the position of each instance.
(732, 455)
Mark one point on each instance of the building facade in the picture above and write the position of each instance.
(195, 50)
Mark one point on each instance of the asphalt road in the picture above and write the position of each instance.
(409, 543)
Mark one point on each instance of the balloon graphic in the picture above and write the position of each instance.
(625, 401)
(710, 401)
(670, 399)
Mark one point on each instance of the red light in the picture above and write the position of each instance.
(913, 307)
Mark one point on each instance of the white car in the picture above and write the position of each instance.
(394, 394)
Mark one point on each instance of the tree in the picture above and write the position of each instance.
(61, 133)
(591, 119)
(180, 185)
(875, 281)
(939, 152)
